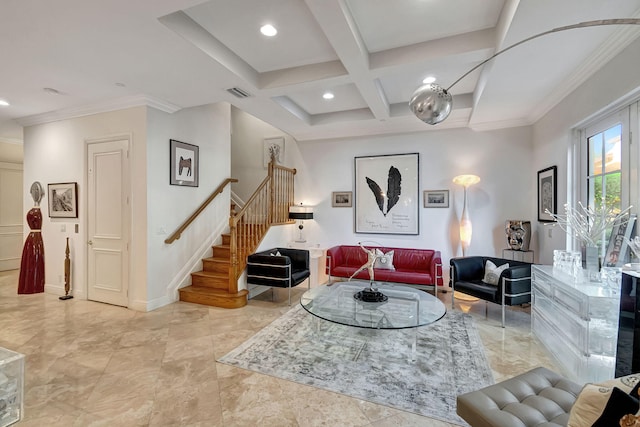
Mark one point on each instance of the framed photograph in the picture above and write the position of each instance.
(618, 249)
(63, 200)
(273, 147)
(547, 193)
(386, 193)
(184, 165)
(436, 198)
(341, 199)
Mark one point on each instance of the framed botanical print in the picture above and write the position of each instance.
(386, 194)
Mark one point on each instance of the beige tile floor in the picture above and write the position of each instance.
(92, 364)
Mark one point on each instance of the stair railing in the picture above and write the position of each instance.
(267, 206)
(176, 234)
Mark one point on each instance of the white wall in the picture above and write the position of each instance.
(501, 158)
(616, 84)
(168, 265)
(247, 134)
(55, 152)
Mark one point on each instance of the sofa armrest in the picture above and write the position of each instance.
(435, 269)
(334, 258)
(517, 272)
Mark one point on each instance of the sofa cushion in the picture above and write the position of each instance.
(384, 260)
(492, 272)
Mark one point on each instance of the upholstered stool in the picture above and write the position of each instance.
(539, 397)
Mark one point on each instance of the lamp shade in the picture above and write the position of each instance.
(300, 212)
(466, 180)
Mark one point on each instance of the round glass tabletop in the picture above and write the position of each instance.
(405, 307)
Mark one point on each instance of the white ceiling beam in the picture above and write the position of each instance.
(502, 28)
(433, 50)
(190, 30)
(313, 74)
(336, 22)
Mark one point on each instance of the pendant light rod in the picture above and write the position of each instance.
(596, 23)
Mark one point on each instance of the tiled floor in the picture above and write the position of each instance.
(92, 364)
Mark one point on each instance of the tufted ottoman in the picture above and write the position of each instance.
(539, 397)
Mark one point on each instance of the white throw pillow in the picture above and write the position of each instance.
(384, 261)
(492, 273)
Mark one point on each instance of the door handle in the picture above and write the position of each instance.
(90, 242)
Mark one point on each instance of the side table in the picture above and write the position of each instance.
(317, 263)
(524, 256)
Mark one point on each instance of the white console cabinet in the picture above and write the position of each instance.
(577, 321)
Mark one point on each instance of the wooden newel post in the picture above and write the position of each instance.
(67, 274)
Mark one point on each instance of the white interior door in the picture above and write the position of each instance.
(12, 216)
(108, 222)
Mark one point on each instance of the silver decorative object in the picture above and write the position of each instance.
(432, 104)
(518, 234)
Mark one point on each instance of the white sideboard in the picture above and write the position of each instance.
(577, 321)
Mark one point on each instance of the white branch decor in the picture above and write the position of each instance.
(588, 224)
(634, 245)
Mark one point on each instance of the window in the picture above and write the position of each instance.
(606, 165)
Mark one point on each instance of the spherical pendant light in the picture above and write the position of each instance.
(431, 103)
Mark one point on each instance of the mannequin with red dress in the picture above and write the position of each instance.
(31, 279)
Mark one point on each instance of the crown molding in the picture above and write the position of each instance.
(499, 124)
(100, 107)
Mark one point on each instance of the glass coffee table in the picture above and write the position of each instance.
(404, 307)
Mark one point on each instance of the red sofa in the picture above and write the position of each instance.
(412, 266)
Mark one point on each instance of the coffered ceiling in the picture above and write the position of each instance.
(371, 54)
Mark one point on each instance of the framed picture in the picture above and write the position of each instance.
(618, 249)
(436, 198)
(273, 147)
(184, 165)
(386, 193)
(63, 200)
(341, 199)
(547, 193)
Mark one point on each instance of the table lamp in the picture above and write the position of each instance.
(300, 213)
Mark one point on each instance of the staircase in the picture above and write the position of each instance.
(211, 285)
(217, 284)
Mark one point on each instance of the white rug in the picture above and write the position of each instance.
(373, 365)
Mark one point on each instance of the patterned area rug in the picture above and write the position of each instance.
(373, 365)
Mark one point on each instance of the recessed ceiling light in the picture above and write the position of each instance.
(3, 103)
(268, 30)
(327, 95)
(429, 79)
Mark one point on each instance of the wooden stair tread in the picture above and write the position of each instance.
(216, 259)
(210, 274)
(211, 291)
(213, 297)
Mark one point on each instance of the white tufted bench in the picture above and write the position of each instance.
(539, 397)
